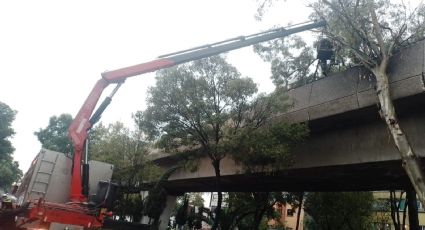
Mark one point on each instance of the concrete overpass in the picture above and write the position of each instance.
(349, 147)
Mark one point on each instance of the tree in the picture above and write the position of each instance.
(9, 169)
(157, 198)
(371, 32)
(395, 208)
(9, 173)
(192, 102)
(261, 151)
(7, 116)
(249, 210)
(291, 60)
(55, 135)
(206, 106)
(182, 212)
(189, 211)
(340, 210)
(126, 150)
(268, 149)
(196, 214)
(195, 199)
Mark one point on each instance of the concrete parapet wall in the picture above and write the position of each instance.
(353, 89)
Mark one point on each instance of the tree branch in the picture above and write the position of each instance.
(360, 55)
(361, 32)
(377, 30)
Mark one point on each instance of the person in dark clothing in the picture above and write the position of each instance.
(8, 213)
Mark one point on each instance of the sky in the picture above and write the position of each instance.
(53, 52)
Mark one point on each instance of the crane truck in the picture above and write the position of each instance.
(77, 212)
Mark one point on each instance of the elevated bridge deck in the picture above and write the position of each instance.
(349, 147)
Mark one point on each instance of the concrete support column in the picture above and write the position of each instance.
(412, 208)
(165, 216)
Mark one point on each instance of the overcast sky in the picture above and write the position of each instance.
(52, 52)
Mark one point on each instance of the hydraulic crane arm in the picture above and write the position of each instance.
(84, 120)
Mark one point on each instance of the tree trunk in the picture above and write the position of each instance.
(216, 165)
(404, 215)
(262, 205)
(300, 206)
(256, 222)
(258, 217)
(410, 160)
(413, 209)
(394, 211)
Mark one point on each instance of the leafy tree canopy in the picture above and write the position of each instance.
(9, 173)
(126, 150)
(198, 105)
(9, 169)
(189, 211)
(340, 210)
(262, 150)
(195, 199)
(7, 116)
(371, 30)
(248, 210)
(207, 106)
(55, 135)
(291, 60)
(194, 101)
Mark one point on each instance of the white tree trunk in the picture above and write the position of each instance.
(410, 161)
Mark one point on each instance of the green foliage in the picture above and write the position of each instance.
(192, 103)
(9, 169)
(340, 210)
(189, 212)
(125, 149)
(157, 198)
(197, 218)
(129, 205)
(207, 104)
(351, 31)
(256, 149)
(7, 116)
(350, 26)
(207, 107)
(155, 203)
(251, 210)
(182, 212)
(9, 173)
(55, 135)
(291, 60)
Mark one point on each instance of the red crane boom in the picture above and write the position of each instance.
(85, 119)
(78, 129)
